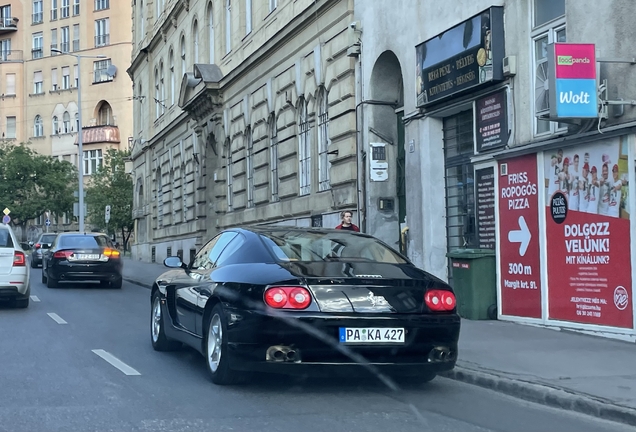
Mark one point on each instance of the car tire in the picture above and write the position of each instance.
(22, 303)
(117, 283)
(160, 341)
(215, 348)
(43, 275)
(50, 282)
(33, 263)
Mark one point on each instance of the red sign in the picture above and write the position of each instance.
(575, 61)
(588, 234)
(520, 270)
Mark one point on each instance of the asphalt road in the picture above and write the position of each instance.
(80, 359)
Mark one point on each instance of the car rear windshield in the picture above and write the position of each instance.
(5, 239)
(48, 238)
(83, 241)
(320, 246)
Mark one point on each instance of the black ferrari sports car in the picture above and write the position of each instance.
(305, 301)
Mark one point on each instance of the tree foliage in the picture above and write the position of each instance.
(31, 183)
(110, 185)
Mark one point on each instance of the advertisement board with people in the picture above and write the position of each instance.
(588, 234)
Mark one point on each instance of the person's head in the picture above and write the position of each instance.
(586, 169)
(605, 171)
(560, 154)
(593, 171)
(576, 162)
(566, 164)
(346, 217)
(615, 171)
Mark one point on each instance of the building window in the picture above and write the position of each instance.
(548, 27)
(11, 122)
(38, 127)
(37, 48)
(210, 17)
(272, 5)
(66, 8)
(162, 86)
(157, 107)
(158, 7)
(76, 76)
(142, 20)
(38, 85)
(101, 4)
(77, 123)
(228, 26)
(76, 37)
(92, 161)
(53, 10)
(195, 42)
(76, 7)
(183, 56)
(273, 157)
(323, 142)
(304, 149)
(53, 79)
(53, 41)
(102, 32)
(10, 89)
(105, 115)
(56, 126)
(248, 17)
(99, 71)
(66, 122)
(38, 15)
(5, 50)
(460, 194)
(66, 78)
(65, 39)
(172, 80)
(250, 167)
(230, 177)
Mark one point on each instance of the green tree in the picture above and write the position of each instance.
(31, 183)
(110, 185)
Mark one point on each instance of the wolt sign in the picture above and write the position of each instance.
(572, 80)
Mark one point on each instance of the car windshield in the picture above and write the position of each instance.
(47, 238)
(5, 239)
(307, 246)
(82, 241)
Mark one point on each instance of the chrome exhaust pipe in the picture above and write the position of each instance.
(280, 353)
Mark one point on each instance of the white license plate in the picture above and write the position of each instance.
(371, 335)
(87, 257)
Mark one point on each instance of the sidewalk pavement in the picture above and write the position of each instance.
(568, 370)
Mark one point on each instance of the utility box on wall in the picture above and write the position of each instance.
(378, 165)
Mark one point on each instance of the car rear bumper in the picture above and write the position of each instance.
(74, 272)
(8, 292)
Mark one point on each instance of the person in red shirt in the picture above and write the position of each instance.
(346, 224)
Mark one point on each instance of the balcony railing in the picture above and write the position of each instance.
(101, 40)
(8, 24)
(76, 45)
(11, 56)
(37, 53)
(38, 17)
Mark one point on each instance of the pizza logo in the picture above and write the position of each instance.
(621, 298)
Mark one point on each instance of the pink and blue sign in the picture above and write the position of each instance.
(572, 74)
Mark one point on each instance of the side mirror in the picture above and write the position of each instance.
(173, 262)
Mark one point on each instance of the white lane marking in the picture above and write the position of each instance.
(55, 317)
(35, 298)
(114, 361)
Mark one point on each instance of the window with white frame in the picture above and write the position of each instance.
(55, 126)
(182, 48)
(65, 39)
(248, 17)
(66, 122)
(37, 47)
(250, 167)
(53, 41)
(92, 161)
(54, 79)
(102, 32)
(230, 177)
(76, 37)
(323, 142)
(76, 76)
(53, 10)
(195, 42)
(99, 71)
(228, 26)
(10, 127)
(272, 5)
(172, 77)
(38, 84)
(142, 21)
(66, 78)
(76, 7)
(304, 149)
(102, 4)
(66, 8)
(157, 95)
(5, 49)
(38, 126)
(273, 157)
(38, 15)
(162, 86)
(10, 88)
(548, 26)
(210, 19)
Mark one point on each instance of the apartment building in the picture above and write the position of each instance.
(244, 114)
(39, 81)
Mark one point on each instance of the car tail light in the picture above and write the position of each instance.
(440, 300)
(287, 297)
(111, 253)
(19, 259)
(62, 254)
(38, 245)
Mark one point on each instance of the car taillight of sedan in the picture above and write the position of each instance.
(109, 253)
(287, 297)
(440, 300)
(19, 259)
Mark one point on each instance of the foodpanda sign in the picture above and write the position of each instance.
(572, 80)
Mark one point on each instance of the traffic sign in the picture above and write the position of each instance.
(107, 214)
(6, 219)
(47, 222)
(6, 211)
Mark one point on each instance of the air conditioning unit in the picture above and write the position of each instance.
(510, 66)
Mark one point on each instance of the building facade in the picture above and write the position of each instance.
(514, 124)
(245, 114)
(40, 84)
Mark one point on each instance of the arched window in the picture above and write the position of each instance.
(56, 126)
(249, 144)
(140, 119)
(142, 20)
(304, 148)
(162, 88)
(248, 17)
(183, 55)
(323, 141)
(273, 156)
(228, 26)
(195, 42)
(67, 122)
(171, 65)
(38, 127)
(157, 106)
(105, 115)
(210, 18)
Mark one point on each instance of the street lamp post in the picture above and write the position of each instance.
(80, 137)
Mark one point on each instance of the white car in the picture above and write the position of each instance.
(14, 272)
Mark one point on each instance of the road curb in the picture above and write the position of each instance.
(136, 282)
(544, 394)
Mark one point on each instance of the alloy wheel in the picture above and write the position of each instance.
(215, 338)
(156, 319)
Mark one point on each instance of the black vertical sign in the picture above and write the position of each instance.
(492, 129)
(485, 192)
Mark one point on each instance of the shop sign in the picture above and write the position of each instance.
(520, 271)
(572, 73)
(462, 58)
(485, 194)
(492, 121)
(588, 234)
